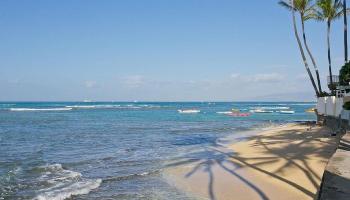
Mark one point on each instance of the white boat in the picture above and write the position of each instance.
(87, 100)
(189, 111)
(224, 112)
(261, 111)
(287, 111)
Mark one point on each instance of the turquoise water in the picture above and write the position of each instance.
(113, 150)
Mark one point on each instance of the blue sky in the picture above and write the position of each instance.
(156, 50)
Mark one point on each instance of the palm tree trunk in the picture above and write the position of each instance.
(302, 51)
(329, 53)
(345, 32)
(311, 56)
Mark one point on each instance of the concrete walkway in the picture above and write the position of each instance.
(336, 178)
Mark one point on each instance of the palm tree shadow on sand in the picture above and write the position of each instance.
(294, 147)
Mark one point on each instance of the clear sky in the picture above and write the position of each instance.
(156, 50)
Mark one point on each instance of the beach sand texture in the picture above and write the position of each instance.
(283, 163)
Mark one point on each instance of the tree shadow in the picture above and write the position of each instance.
(295, 147)
(336, 182)
(344, 144)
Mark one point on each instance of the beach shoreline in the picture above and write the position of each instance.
(103, 150)
(280, 162)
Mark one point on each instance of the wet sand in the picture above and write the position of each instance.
(283, 163)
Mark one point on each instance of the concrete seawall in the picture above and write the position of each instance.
(336, 178)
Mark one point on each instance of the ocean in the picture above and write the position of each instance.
(116, 150)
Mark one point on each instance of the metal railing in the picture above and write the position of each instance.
(332, 85)
(335, 79)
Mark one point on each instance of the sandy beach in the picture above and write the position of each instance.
(281, 163)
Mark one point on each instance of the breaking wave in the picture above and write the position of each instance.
(40, 109)
(272, 107)
(61, 183)
(113, 106)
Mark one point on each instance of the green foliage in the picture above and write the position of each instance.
(346, 106)
(321, 10)
(304, 7)
(328, 10)
(344, 74)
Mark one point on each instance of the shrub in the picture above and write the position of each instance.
(344, 74)
(346, 105)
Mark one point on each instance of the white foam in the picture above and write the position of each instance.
(78, 106)
(150, 106)
(298, 104)
(115, 106)
(78, 188)
(40, 109)
(94, 106)
(304, 104)
(62, 183)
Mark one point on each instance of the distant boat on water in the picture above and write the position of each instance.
(189, 111)
(287, 111)
(224, 112)
(261, 111)
(235, 113)
(87, 101)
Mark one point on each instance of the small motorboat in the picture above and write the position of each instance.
(234, 113)
(189, 111)
(261, 111)
(224, 112)
(287, 111)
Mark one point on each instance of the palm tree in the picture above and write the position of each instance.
(329, 10)
(305, 9)
(293, 9)
(345, 32)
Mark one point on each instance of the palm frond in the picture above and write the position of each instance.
(329, 10)
(286, 5)
(310, 12)
(306, 8)
(318, 16)
(340, 13)
(309, 16)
